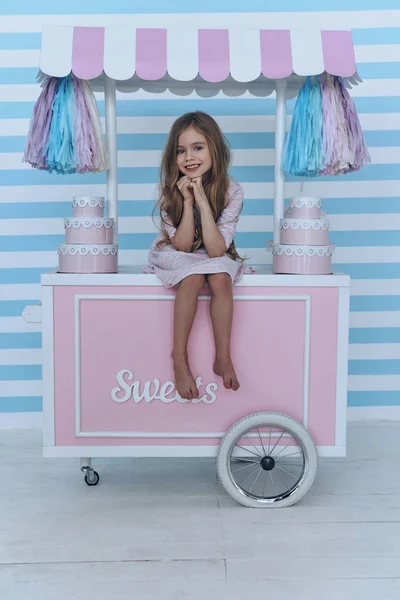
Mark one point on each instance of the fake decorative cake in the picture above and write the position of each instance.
(88, 244)
(304, 247)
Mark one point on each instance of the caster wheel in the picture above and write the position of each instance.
(92, 478)
(267, 460)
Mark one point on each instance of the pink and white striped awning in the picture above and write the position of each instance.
(208, 55)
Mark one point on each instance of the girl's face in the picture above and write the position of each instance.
(193, 154)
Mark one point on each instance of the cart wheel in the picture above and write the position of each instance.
(267, 460)
(92, 477)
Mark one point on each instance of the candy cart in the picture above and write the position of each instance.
(108, 389)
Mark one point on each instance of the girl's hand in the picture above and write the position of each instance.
(196, 185)
(185, 188)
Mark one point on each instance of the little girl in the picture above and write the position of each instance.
(199, 207)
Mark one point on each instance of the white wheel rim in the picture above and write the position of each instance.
(276, 463)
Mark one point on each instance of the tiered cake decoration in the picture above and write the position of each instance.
(88, 244)
(304, 248)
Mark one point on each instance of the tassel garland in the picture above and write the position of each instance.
(65, 134)
(325, 136)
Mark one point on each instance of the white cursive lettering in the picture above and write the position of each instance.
(128, 388)
(210, 389)
(166, 390)
(146, 395)
(123, 386)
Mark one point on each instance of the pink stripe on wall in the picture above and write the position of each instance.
(276, 54)
(338, 52)
(151, 53)
(214, 63)
(87, 52)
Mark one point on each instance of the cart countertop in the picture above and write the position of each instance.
(134, 276)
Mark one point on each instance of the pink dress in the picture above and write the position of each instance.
(171, 266)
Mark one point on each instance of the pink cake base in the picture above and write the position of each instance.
(302, 265)
(88, 258)
(306, 237)
(88, 235)
(87, 263)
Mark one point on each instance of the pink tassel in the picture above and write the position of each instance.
(360, 153)
(40, 125)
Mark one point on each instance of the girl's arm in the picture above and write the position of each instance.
(229, 218)
(183, 237)
(217, 237)
(212, 238)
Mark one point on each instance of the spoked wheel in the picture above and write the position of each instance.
(267, 460)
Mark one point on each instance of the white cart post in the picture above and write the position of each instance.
(111, 137)
(280, 130)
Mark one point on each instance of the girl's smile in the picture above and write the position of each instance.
(192, 168)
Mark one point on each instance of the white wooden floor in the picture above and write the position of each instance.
(165, 529)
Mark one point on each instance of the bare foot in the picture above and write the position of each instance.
(184, 380)
(224, 368)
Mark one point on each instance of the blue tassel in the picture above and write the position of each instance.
(60, 151)
(304, 155)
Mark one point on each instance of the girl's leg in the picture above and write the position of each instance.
(184, 312)
(221, 310)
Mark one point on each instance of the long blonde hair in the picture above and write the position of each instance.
(215, 180)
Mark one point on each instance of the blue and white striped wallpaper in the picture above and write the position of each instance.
(364, 208)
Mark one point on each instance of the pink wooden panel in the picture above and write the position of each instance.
(88, 52)
(151, 53)
(214, 60)
(276, 54)
(323, 353)
(268, 342)
(338, 52)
